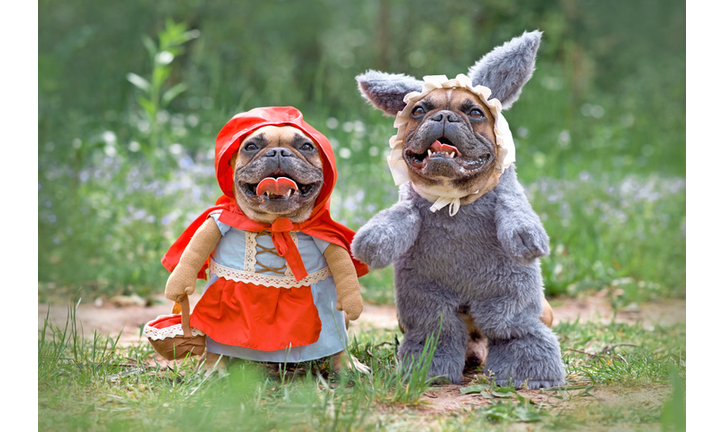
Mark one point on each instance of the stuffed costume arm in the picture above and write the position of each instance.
(388, 235)
(340, 264)
(520, 230)
(183, 278)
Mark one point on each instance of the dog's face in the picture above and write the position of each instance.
(278, 173)
(450, 142)
(454, 120)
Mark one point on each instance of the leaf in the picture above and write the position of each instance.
(504, 393)
(527, 415)
(150, 46)
(567, 388)
(147, 106)
(139, 82)
(174, 91)
(189, 35)
(478, 388)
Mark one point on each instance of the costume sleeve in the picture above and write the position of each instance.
(321, 244)
(224, 228)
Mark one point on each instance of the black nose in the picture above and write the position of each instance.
(278, 152)
(450, 116)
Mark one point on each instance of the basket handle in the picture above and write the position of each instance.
(185, 315)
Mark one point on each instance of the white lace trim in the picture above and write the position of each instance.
(168, 332)
(250, 254)
(267, 280)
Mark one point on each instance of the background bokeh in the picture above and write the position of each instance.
(132, 94)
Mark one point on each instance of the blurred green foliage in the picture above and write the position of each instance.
(601, 124)
(95, 383)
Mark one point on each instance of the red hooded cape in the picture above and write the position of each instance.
(319, 224)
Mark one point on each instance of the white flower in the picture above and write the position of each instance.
(164, 57)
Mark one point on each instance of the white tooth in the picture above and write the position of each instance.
(429, 153)
(452, 155)
(267, 193)
(289, 193)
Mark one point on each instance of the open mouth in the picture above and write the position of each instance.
(443, 150)
(278, 187)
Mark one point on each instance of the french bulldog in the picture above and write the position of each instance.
(450, 145)
(476, 265)
(277, 173)
(277, 260)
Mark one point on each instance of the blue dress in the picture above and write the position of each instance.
(250, 257)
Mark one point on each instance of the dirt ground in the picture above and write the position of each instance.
(127, 315)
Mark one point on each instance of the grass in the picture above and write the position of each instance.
(620, 375)
(93, 383)
(600, 134)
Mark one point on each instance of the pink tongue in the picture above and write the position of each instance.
(437, 146)
(276, 186)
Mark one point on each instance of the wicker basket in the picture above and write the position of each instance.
(172, 336)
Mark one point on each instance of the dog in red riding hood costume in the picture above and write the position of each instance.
(281, 279)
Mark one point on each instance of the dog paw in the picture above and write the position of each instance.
(525, 242)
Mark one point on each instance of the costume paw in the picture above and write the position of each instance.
(351, 304)
(180, 283)
(447, 363)
(375, 246)
(535, 384)
(532, 361)
(525, 242)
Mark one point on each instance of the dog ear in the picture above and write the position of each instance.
(505, 69)
(386, 91)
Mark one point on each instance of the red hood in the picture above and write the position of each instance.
(319, 224)
(241, 125)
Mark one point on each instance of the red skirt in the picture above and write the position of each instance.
(257, 317)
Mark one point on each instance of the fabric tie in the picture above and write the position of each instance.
(281, 238)
(442, 201)
(286, 248)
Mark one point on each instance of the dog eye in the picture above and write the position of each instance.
(418, 110)
(306, 147)
(476, 113)
(251, 147)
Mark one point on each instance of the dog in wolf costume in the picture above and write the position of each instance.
(278, 263)
(463, 238)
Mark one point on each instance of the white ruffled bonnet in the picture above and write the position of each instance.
(503, 136)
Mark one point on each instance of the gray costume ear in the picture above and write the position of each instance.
(386, 91)
(505, 69)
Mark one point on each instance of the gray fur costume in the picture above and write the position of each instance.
(483, 261)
